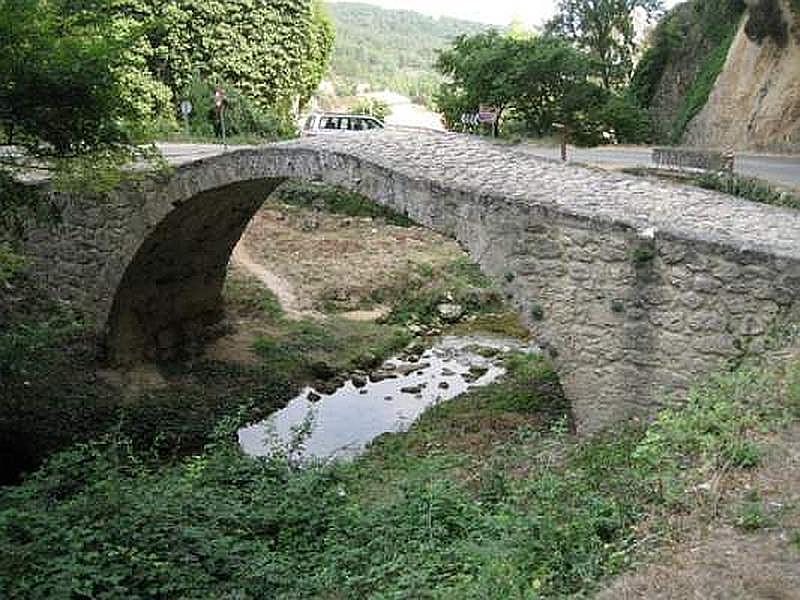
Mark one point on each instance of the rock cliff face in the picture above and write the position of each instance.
(681, 67)
(755, 102)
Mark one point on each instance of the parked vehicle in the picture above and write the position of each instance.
(321, 123)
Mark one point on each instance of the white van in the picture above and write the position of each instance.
(316, 124)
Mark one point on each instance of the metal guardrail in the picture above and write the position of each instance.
(693, 159)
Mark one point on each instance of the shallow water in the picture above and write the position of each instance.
(341, 424)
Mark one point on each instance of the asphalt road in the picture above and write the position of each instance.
(779, 169)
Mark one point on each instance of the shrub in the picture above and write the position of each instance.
(766, 21)
(750, 188)
(630, 123)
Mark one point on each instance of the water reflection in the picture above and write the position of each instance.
(341, 424)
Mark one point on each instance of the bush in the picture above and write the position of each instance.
(11, 264)
(749, 188)
(630, 123)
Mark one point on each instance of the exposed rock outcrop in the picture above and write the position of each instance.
(755, 103)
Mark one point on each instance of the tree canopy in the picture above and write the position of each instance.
(606, 30)
(393, 49)
(61, 88)
(272, 51)
(533, 82)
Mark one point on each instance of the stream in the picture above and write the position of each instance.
(340, 425)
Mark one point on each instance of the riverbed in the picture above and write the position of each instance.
(340, 425)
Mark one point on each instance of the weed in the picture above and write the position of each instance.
(795, 539)
(749, 188)
(642, 254)
(486, 497)
(459, 282)
(752, 516)
(11, 264)
(251, 298)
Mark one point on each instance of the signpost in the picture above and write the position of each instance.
(488, 114)
(219, 105)
(564, 133)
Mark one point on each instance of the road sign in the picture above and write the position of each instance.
(487, 114)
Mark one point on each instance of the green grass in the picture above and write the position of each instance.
(308, 350)
(488, 496)
(460, 282)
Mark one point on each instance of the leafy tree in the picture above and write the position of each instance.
(390, 49)
(61, 89)
(274, 50)
(535, 81)
(243, 117)
(483, 69)
(606, 30)
(65, 101)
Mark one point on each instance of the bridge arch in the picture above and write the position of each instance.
(635, 287)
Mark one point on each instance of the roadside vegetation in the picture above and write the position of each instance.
(749, 188)
(695, 37)
(570, 80)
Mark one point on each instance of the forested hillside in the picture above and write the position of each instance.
(393, 49)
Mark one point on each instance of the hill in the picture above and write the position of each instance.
(393, 49)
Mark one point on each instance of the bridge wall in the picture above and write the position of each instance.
(628, 314)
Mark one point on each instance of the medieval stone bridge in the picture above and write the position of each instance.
(635, 287)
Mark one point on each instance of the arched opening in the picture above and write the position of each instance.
(172, 286)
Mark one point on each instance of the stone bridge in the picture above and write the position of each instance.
(635, 287)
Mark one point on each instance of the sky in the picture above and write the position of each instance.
(499, 12)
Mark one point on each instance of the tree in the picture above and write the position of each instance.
(61, 92)
(482, 69)
(536, 82)
(64, 100)
(533, 78)
(274, 51)
(606, 30)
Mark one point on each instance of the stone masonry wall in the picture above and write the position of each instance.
(634, 287)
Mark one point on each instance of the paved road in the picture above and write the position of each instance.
(782, 170)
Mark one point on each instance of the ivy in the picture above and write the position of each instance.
(275, 50)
